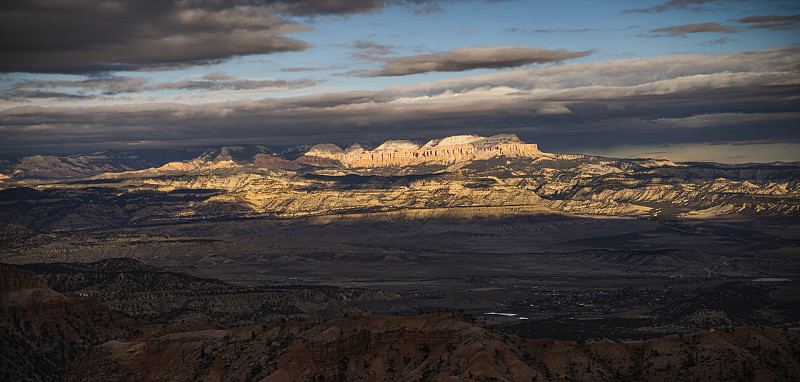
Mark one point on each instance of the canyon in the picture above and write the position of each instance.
(223, 261)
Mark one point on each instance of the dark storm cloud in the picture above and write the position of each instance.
(682, 30)
(467, 58)
(773, 22)
(742, 97)
(87, 36)
(101, 35)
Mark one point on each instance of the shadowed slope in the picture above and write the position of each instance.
(435, 347)
(42, 330)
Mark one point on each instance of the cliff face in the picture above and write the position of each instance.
(269, 161)
(438, 151)
(499, 175)
(433, 347)
(42, 330)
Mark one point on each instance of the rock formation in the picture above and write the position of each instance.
(499, 175)
(405, 153)
(435, 348)
(42, 330)
(271, 161)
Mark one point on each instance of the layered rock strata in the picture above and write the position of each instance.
(436, 348)
(406, 153)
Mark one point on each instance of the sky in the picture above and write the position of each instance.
(691, 80)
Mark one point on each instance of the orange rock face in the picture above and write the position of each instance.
(269, 161)
(438, 151)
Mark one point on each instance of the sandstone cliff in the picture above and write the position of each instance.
(454, 176)
(405, 153)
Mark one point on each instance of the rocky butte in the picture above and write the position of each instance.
(406, 153)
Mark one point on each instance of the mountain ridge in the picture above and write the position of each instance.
(460, 174)
(439, 153)
(446, 150)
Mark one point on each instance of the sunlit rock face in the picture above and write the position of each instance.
(438, 151)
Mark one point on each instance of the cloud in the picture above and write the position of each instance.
(724, 153)
(92, 36)
(428, 9)
(373, 48)
(86, 88)
(719, 41)
(231, 83)
(743, 97)
(34, 94)
(326, 7)
(682, 30)
(103, 35)
(773, 22)
(580, 30)
(653, 9)
(686, 3)
(345, 7)
(299, 69)
(111, 86)
(673, 4)
(771, 18)
(218, 76)
(468, 58)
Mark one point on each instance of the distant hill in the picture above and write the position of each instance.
(460, 176)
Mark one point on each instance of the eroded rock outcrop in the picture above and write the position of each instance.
(406, 153)
(42, 330)
(436, 348)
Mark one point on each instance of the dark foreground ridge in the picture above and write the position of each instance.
(46, 334)
(41, 330)
(433, 348)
